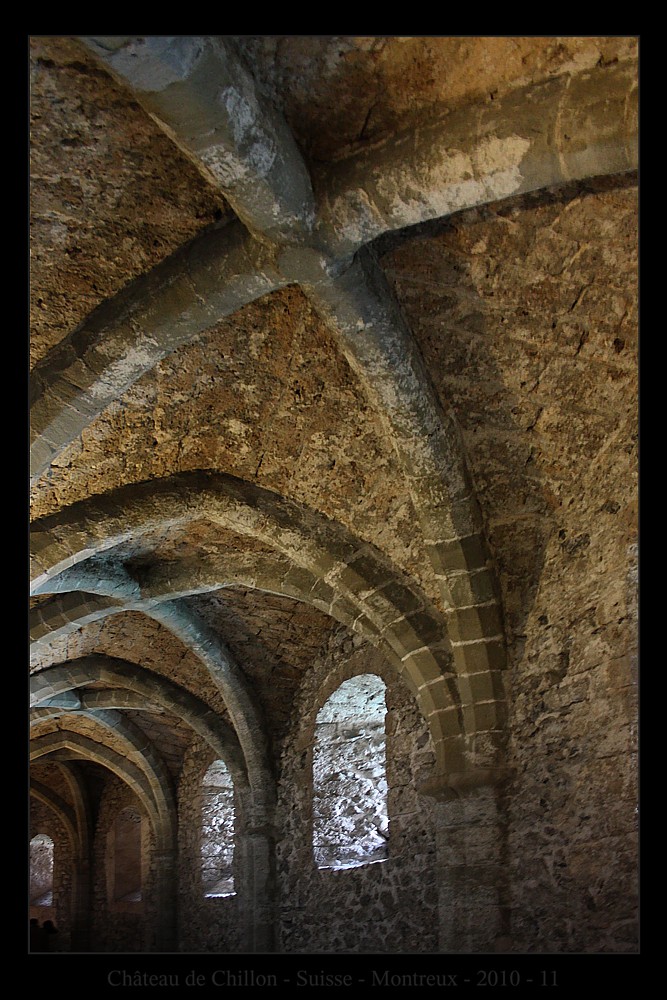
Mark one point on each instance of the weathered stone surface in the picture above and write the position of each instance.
(198, 88)
(105, 205)
(468, 420)
(343, 93)
(538, 384)
(323, 910)
(275, 638)
(268, 388)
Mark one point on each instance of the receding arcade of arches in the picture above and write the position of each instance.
(333, 493)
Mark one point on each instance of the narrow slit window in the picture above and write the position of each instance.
(217, 836)
(41, 870)
(350, 822)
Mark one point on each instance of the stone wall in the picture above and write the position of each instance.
(131, 925)
(388, 906)
(573, 807)
(526, 314)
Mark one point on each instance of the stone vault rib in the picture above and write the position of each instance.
(198, 90)
(155, 798)
(136, 746)
(126, 336)
(559, 130)
(129, 682)
(63, 809)
(67, 738)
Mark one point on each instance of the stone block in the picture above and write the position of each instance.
(454, 875)
(363, 573)
(377, 604)
(39, 627)
(445, 724)
(401, 597)
(447, 521)
(322, 595)
(428, 665)
(41, 454)
(418, 629)
(365, 626)
(472, 588)
(477, 622)
(468, 552)
(454, 852)
(344, 610)
(475, 657)
(55, 554)
(487, 686)
(299, 582)
(485, 716)
(434, 696)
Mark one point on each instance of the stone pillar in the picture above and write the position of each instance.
(81, 904)
(256, 847)
(472, 870)
(165, 892)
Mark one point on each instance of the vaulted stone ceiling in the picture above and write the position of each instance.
(326, 331)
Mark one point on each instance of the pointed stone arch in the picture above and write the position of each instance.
(126, 680)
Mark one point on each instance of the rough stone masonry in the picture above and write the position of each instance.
(334, 388)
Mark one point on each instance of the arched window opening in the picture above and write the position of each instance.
(41, 870)
(127, 868)
(350, 822)
(217, 836)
